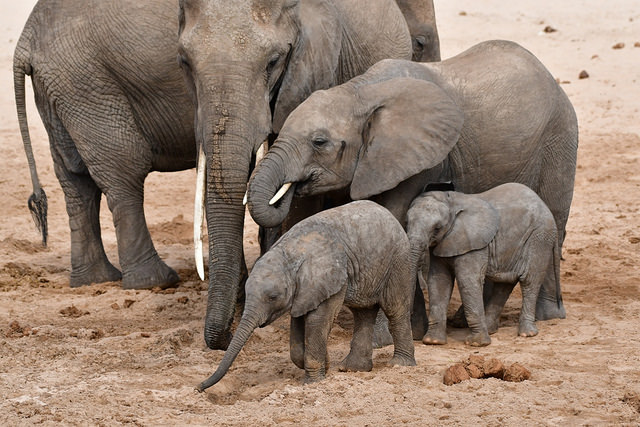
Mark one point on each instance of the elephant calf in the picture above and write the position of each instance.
(356, 254)
(506, 234)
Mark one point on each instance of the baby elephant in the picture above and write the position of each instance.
(356, 254)
(506, 234)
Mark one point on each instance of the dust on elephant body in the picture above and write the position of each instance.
(357, 255)
(490, 115)
(506, 234)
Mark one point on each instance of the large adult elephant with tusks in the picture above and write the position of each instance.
(248, 64)
(117, 106)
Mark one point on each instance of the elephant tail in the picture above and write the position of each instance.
(38, 200)
(556, 272)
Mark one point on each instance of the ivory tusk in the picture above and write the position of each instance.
(260, 152)
(198, 213)
(244, 199)
(281, 192)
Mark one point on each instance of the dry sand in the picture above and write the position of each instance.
(100, 355)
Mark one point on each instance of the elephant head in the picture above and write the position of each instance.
(295, 275)
(248, 63)
(421, 19)
(366, 136)
(449, 224)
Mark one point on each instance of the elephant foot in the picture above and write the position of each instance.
(459, 320)
(527, 329)
(96, 273)
(356, 364)
(154, 273)
(478, 340)
(313, 377)
(549, 309)
(398, 360)
(434, 337)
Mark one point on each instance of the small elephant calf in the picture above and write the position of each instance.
(356, 254)
(506, 234)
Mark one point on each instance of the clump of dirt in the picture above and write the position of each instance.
(478, 367)
(73, 311)
(18, 331)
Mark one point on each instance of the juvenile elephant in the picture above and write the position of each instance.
(490, 115)
(116, 106)
(356, 254)
(506, 234)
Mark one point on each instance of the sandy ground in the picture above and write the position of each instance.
(101, 355)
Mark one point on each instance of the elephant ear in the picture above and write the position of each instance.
(412, 125)
(475, 224)
(322, 274)
(314, 58)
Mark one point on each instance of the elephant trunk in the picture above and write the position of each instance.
(419, 259)
(229, 124)
(249, 322)
(269, 178)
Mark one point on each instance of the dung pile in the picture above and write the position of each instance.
(479, 367)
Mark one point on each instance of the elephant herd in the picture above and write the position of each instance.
(126, 87)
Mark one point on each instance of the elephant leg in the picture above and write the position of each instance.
(296, 341)
(142, 268)
(381, 335)
(317, 326)
(540, 262)
(360, 357)
(549, 304)
(120, 171)
(89, 262)
(495, 296)
(397, 306)
(440, 287)
(494, 302)
(470, 271)
(527, 322)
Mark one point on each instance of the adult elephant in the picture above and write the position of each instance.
(248, 65)
(115, 106)
(490, 115)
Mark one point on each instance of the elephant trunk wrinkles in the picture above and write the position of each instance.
(419, 260)
(226, 128)
(249, 322)
(270, 176)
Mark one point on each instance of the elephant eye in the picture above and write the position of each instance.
(272, 63)
(319, 141)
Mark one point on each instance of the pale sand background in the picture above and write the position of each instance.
(139, 364)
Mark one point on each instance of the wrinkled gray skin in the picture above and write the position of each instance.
(506, 234)
(246, 76)
(115, 106)
(356, 254)
(421, 19)
(490, 115)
